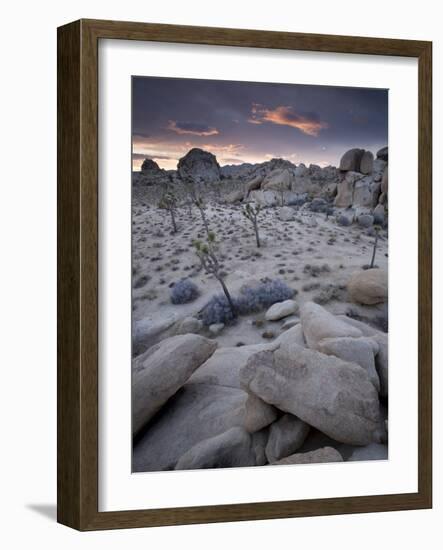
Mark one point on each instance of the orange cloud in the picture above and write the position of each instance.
(308, 123)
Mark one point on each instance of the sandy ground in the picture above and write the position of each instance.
(161, 257)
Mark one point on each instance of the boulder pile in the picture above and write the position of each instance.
(200, 406)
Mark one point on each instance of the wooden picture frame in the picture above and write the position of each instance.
(78, 274)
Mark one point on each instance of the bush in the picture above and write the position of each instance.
(250, 300)
(217, 310)
(184, 291)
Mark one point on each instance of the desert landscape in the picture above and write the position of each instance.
(260, 312)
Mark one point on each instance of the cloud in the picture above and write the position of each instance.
(193, 128)
(153, 157)
(308, 123)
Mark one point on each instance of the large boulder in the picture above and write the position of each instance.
(379, 214)
(361, 351)
(351, 160)
(318, 324)
(303, 184)
(224, 366)
(162, 370)
(199, 165)
(286, 213)
(369, 286)
(345, 190)
(384, 181)
(149, 331)
(334, 396)
(366, 192)
(235, 196)
(373, 451)
(254, 183)
(383, 154)
(232, 448)
(367, 163)
(195, 413)
(278, 180)
(280, 310)
(286, 435)
(325, 454)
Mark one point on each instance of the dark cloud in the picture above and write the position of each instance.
(152, 157)
(193, 128)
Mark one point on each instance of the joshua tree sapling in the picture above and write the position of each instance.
(206, 253)
(376, 228)
(196, 199)
(251, 213)
(168, 202)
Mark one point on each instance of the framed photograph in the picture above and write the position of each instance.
(244, 275)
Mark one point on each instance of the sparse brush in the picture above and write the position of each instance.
(328, 293)
(251, 213)
(184, 291)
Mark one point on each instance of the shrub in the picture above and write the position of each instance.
(250, 300)
(217, 310)
(262, 296)
(184, 291)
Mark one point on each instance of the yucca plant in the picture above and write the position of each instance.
(251, 213)
(374, 249)
(206, 253)
(169, 202)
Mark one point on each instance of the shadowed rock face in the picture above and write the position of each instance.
(196, 413)
(199, 164)
(325, 454)
(157, 375)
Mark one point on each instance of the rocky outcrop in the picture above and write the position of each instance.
(199, 165)
(149, 165)
(157, 375)
(369, 286)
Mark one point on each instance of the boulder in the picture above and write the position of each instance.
(278, 180)
(224, 365)
(302, 184)
(373, 451)
(280, 310)
(365, 192)
(195, 413)
(318, 323)
(369, 286)
(365, 220)
(265, 198)
(234, 196)
(325, 454)
(379, 167)
(286, 435)
(354, 350)
(334, 396)
(162, 370)
(301, 170)
(189, 325)
(351, 160)
(199, 165)
(290, 323)
(292, 335)
(367, 163)
(232, 448)
(345, 191)
(254, 183)
(216, 328)
(286, 213)
(383, 154)
(379, 214)
(381, 361)
(149, 331)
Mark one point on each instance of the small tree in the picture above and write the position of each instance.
(281, 188)
(206, 253)
(168, 202)
(374, 250)
(196, 199)
(251, 213)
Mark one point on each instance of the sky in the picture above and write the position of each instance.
(253, 122)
